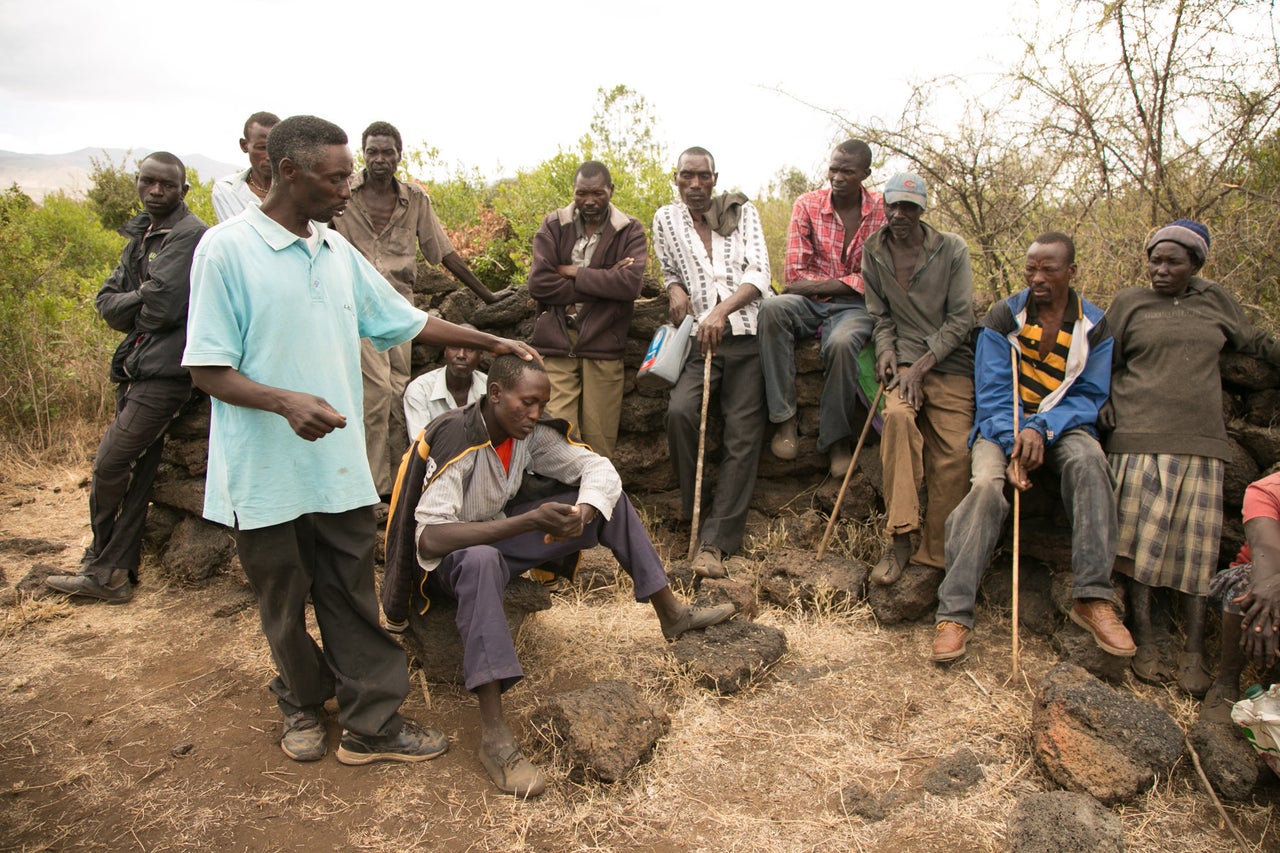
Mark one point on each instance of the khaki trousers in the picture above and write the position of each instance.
(384, 376)
(587, 392)
(936, 439)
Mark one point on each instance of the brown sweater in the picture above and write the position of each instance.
(1165, 385)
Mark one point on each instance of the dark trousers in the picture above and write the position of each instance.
(124, 469)
(328, 556)
(477, 576)
(737, 392)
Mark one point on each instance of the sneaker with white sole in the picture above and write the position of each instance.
(411, 743)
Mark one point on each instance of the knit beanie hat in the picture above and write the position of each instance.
(1192, 236)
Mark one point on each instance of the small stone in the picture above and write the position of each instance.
(713, 591)
(799, 577)
(182, 749)
(604, 729)
(953, 774)
(197, 550)
(1063, 822)
(1229, 762)
(914, 595)
(857, 800)
(726, 657)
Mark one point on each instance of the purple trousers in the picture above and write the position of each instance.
(477, 576)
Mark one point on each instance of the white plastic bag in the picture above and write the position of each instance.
(1260, 720)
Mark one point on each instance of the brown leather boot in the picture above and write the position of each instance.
(1098, 617)
(950, 641)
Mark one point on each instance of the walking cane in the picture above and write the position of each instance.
(1017, 511)
(835, 512)
(702, 447)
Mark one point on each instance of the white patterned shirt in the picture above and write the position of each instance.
(738, 259)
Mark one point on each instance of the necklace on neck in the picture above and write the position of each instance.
(256, 187)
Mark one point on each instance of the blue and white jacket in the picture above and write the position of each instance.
(1072, 405)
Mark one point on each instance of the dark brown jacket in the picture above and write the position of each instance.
(605, 296)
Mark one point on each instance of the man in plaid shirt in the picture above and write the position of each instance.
(823, 291)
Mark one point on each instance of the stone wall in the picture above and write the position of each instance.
(1251, 405)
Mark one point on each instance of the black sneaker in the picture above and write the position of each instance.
(88, 587)
(304, 736)
(411, 743)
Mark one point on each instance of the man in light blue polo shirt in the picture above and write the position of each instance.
(279, 303)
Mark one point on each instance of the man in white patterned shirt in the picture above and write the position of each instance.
(715, 266)
(473, 532)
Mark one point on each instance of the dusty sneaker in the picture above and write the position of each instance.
(115, 591)
(709, 563)
(697, 618)
(786, 442)
(411, 743)
(841, 457)
(512, 772)
(304, 736)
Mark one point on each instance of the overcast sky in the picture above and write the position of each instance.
(496, 85)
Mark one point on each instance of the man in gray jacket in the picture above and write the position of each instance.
(146, 298)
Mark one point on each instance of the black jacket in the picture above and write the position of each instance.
(152, 312)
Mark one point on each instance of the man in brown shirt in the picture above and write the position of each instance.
(384, 220)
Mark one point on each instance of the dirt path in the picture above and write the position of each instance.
(149, 727)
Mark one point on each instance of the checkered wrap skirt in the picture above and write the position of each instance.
(1169, 507)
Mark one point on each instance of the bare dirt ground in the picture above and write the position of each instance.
(149, 727)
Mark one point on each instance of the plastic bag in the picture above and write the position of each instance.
(1259, 718)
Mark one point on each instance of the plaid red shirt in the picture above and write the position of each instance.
(816, 237)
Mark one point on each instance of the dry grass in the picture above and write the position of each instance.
(149, 727)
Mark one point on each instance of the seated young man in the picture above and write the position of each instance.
(472, 542)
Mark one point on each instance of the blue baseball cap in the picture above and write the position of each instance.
(905, 186)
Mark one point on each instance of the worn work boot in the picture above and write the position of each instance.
(1098, 617)
(709, 562)
(512, 772)
(697, 618)
(117, 589)
(841, 455)
(304, 736)
(411, 743)
(895, 559)
(786, 443)
(950, 641)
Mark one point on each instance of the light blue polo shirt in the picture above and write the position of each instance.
(262, 304)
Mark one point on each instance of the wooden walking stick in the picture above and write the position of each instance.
(835, 511)
(1017, 510)
(702, 448)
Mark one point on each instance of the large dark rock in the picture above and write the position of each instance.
(726, 657)
(1262, 408)
(432, 637)
(648, 316)
(507, 312)
(1063, 822)
(734, 590)
(184, 494)
(161, 520)
(1076, 645)
(1229, 762)
(1237, 474)
(197, 550)
(1263, 444)
(799, 577)
(1091, 739)
(603, 729)
(188, 454)
(1248, 372)
(193, 422)
(1036, 610)
(912, 596)
(643, 414)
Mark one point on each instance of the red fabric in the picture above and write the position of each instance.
(504, 453)
(1261, 500)
(816, 237)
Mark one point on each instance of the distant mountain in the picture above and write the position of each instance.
(40, 174)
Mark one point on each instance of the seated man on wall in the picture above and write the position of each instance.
(920, 293)
(824, 289)
(588, 267)
(453, 386)
(464, 531)
(1063, 353)
(235, 192)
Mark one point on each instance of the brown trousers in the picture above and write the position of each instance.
(384, 375)
(587, 392)
(935, 439)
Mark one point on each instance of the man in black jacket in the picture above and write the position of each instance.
(146, 298)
